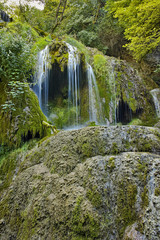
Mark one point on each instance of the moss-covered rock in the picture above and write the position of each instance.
(124, 92)
(62, 192)
(20, 118)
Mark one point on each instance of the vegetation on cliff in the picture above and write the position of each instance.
(140, 20)
(97, 182)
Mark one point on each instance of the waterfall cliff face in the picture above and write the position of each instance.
(42, 79)
(156, 97)
(73, 81)
(74, 91)
(95, 108)
(71, 93)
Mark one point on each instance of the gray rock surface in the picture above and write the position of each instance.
(92, 183)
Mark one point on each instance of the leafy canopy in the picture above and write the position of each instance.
(141, 20)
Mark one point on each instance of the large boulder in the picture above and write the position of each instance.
(93, 183)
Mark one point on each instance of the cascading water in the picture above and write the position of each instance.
(156, 97)
(95, 112)
(42, 79)
(95, 109)
(73, 82)
(113, 102)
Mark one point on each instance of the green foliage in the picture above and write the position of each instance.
(91, 124)
(140, 20)
(135, 121)
(14, 90)
(63, 117)
(19, 44)
(16, 56)
(87, 21)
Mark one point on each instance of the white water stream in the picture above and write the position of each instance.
(42, 79)
(156, 98)
(74, 90)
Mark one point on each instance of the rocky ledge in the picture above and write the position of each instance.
(92, 183)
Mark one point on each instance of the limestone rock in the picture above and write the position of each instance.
(92, 183)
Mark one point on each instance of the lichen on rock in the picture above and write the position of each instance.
(61, 191)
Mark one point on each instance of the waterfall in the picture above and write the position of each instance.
(156, 98)
(95, 109)
(42, 79)
(73, 82)
(44, 76)
(113, 102)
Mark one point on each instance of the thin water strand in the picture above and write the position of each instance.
(42, 79)
(95, 108)
(73, 82)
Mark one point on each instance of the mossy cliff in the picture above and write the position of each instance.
(20, 117)
(58, 80)
(124, 92)
(93, 183)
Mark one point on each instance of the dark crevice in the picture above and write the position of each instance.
(124, 113)
(29, 136)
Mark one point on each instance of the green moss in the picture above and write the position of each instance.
(83, 224)
(127, 144)
(105, 83)
(133, 104)
(114, 148)
(89, 146)
(136, 121)
(157, 191)
(111, 163)
(147, 147)
(42, 140)
(144, 197)
(142, 170)
(143, 145)
(94, 196)
(85, 104)
(87, 149)
(10, 161)
(91, 124)
(4, 208)
(100, 66)
(126, 211)
(81, 47)
(23, 123)
(7, 168)
(28, 223)
(59, 53)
